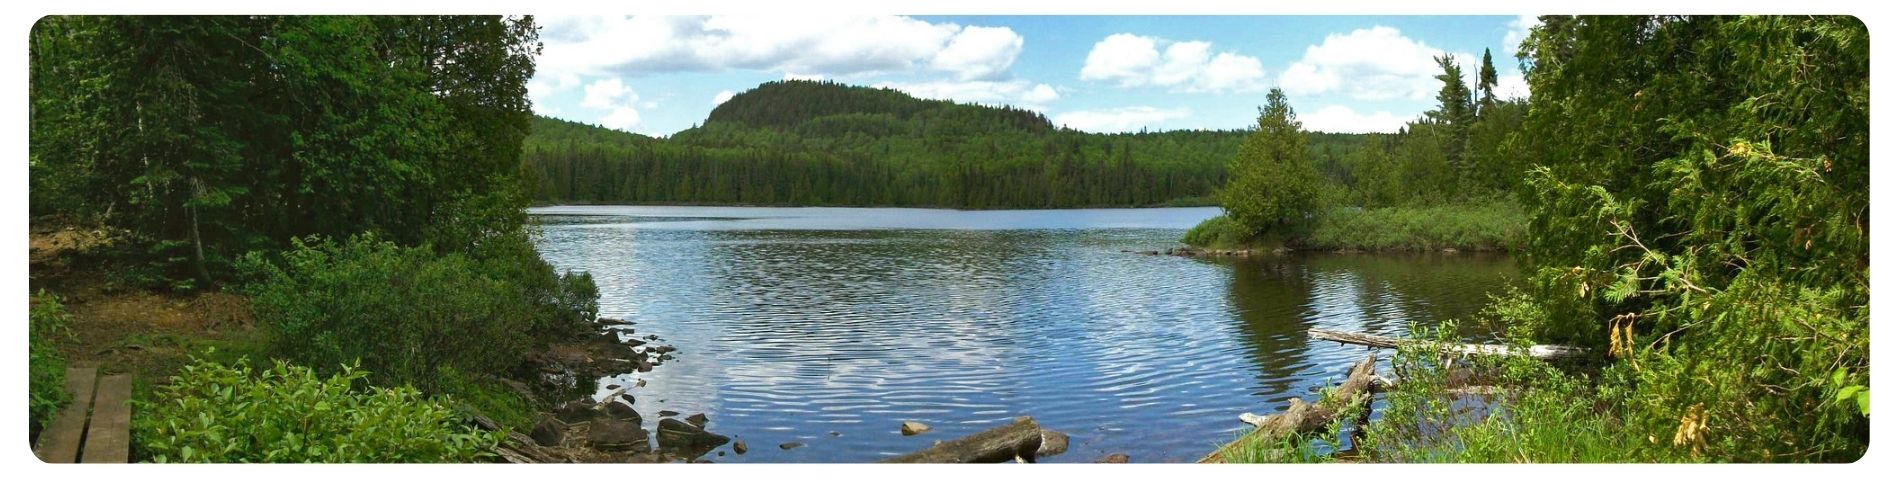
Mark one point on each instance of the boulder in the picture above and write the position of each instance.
(685, 439)
(909, 428)
(621, 411)
(1115, 458)
(617, 435)
(548, 432)
(698, 420)
(1053, 443)
(575, 412)
(740, 447)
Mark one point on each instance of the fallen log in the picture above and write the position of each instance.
(1301, 417)
(612, 322)
(1542, 352)
(1017, 440)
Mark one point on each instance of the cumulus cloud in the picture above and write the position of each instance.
(1118, 120)
(1019, 93)
(1342, 119)
(1516, 30)
(1372, 64)
(1513, 87)
(617, 99)
(721, 97)
(841, 45)
(1130, 60)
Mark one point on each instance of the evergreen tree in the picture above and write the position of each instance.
(1271, 182)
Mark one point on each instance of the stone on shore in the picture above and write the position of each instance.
(698, 420)
(1053, 443)
(741, 447)
(686, 439)
(548, 432)
(909, 428)
(619, 410)
(617, 435)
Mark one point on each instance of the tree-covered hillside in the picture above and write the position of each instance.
(823, 143)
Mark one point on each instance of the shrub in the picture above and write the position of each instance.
(213, 413)
(46, 368)
(1489, 226)
(1217, 232)
(403, 313)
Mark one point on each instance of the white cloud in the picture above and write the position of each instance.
(1018, 93)
(721, 97)
(1513, 87)
(1516, 30)
(1342, 119)
(1373, 64)
(980, 53)
(617, 99)
(1117, 120)
(607, 94)
(621, 118)
(1130, 60)
(839, 45)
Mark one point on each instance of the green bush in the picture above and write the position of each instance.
(407, 313)
(1217, 232)
(213, 413)
(1491, 226)
(46, 368)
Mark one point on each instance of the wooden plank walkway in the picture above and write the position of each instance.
(91, 428)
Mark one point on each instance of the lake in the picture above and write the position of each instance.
(831, 326)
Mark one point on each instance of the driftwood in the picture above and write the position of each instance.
(1300, 416)
(1543, 352)
(1018, 440)
(516, 447)
(612, 322)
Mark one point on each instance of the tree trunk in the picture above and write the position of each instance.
(1542, 352)
(1017, 440)
(1302, 418)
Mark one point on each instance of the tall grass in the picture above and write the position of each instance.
(1489, 226)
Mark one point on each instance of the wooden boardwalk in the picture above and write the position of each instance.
(95, 427)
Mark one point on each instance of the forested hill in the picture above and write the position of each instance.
(823, 143)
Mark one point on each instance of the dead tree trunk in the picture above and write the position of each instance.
(1302, 418)
(1017, 440)
(1542, 352)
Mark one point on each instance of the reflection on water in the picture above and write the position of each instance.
(801, 324)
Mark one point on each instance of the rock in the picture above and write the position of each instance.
(834, 433)
(575, 412)
(685, 439)
(613, 321)
(1053, 443)
(652, 337)
(633, 343)
(791, 445)
(640, 383)
(666, 413)
(644, 366)
(617, 435)
(741, 447)
(1115, 458)
(621, 411)
(548, 432)
(698, 420)
(909, 428)
(663, 349)
(612, 386)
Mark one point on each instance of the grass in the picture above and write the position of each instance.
(1489, 226)
(1493, 226)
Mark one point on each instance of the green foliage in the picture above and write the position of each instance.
(1495, 226)
(1701, 216)
(1218, 232)
(1271, 184)
(46, 367)
(213, 413)
(406, 314)
(820, 143)
(211, 136)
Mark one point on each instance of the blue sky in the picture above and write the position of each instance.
(657, 75)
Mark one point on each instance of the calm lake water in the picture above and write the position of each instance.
(830, 326)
